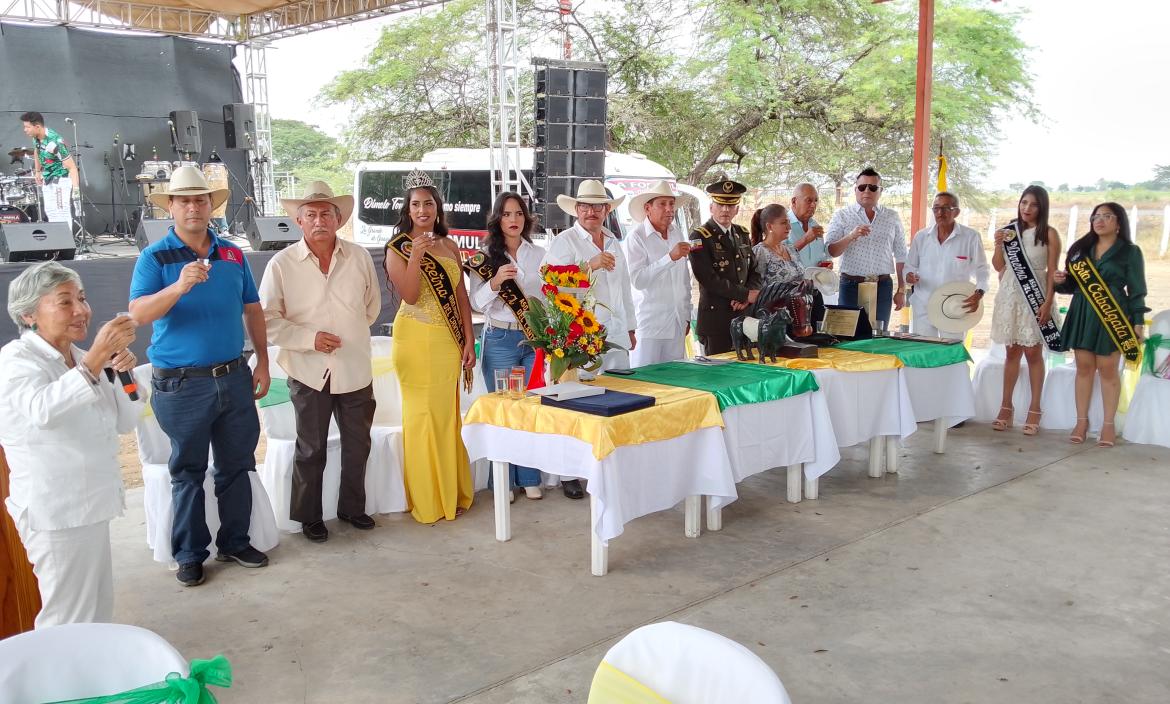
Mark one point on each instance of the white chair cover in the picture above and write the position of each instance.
(1057, 405)
(154, 452)
(1147, 420)
(385, 490)
(689, 665)
(81, 660)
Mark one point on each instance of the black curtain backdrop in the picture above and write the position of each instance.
(116, 84)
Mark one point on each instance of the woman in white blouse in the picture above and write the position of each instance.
(510, 250)
(62, 416)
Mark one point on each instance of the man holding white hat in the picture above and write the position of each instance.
(657, 252)
(588, 241)
(320, 297)
(944, 253)
(195, 288)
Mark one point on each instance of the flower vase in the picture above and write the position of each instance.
(570, 374)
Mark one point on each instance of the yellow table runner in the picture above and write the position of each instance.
(676, 411)
(832, 358)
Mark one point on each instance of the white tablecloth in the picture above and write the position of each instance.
(795, 430)
(941, 392)
(864, 405)
(630, 482)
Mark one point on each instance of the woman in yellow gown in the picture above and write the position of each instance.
(428, 361)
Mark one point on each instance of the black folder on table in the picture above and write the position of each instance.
(610, 403)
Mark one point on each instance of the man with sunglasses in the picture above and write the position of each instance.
(944, 253)
(872, 245)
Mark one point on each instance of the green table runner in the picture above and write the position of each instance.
(911, 352)
(732, 384)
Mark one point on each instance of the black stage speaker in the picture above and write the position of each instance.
(239, 126)
(185, 137)
(36, 241)
(151, 231)
(265, 234)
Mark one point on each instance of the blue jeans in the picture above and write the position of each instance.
(885, 297)
(198, 412)
(501, 349)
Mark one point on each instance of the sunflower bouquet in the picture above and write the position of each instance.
(564, 322)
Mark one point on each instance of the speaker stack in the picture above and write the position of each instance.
(239, 126)
(185, 136)
(571, 109)
(36, 241)
(150, 231)
(267, 234)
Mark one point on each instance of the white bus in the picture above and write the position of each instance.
(462, 177)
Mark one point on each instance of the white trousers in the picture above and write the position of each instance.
(74, 571)
(921, 326)
(58, 200)
(652, 350)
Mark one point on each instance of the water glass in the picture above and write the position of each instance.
(516, 382)
(501, 376)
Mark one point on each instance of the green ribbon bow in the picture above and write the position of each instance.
(175, 689)
(1154, 343)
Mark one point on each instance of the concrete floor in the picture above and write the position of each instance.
(1008, 570)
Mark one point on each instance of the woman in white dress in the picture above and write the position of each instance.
(1012, 322)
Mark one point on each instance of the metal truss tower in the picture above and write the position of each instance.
(504, 100)
(256, 92)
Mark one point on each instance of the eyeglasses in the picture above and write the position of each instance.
(1103, 217)
(943, 208)
(595, 207)
(871, 187)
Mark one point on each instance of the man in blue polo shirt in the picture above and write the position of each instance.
(807, 236)
(195, 287)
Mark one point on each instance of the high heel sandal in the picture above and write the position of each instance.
(1001, 423)
(1105, 443)
(1032, 428)
(1078, 439)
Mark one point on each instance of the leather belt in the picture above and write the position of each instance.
(493, 323)
(871, 277)
(215, 371)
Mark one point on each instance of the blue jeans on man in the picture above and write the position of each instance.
(501, 349)
(885, 297)
(198, 412)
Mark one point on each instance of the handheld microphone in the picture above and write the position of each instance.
(127, 381)
(69, 120)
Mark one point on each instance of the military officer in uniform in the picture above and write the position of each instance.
(725, 267)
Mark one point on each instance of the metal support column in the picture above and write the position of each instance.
(256, 93)
(504, 100)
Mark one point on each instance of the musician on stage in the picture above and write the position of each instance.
(55, 169)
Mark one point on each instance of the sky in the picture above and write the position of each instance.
(1101, 78)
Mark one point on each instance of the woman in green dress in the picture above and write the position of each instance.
(1119, 261)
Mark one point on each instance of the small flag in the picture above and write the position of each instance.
(536, 379)
(942, 171)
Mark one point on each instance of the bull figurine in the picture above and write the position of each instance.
(767, 333)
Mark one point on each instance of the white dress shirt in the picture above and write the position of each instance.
(299, 301)
(661, 285)
(528, 259)
(610, 288)
(60, 434)
(877, 252)
(959, 257)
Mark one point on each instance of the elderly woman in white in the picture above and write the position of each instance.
(61, 419)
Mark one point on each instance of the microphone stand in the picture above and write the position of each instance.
(81, 235)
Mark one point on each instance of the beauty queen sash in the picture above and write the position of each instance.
(509, 292)
(1100, 298)
(1021, 268)
(444, 289)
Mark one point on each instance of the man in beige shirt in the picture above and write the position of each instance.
(320, 297)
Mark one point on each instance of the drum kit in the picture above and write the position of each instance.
(20, 198)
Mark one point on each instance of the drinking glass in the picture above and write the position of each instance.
(501, 376)
(516, 382)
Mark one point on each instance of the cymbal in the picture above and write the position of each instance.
(20, 153)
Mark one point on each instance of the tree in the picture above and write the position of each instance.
(309, 154)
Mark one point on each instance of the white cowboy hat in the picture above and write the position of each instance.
(320, 192)
(660, 189)
(188, 181)
(591, 191)
(827, 281)
(945, 309)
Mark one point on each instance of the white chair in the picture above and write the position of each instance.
(687, 665)
(154, 452)
(1146, 422)
(1057, 406)
(481, 469)
(82, 660)
(385, 491)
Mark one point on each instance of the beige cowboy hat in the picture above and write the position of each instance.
(188, 181)
(945, 309)
(320, 192)
(827, 281)
(591, 191)
(660, 189)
